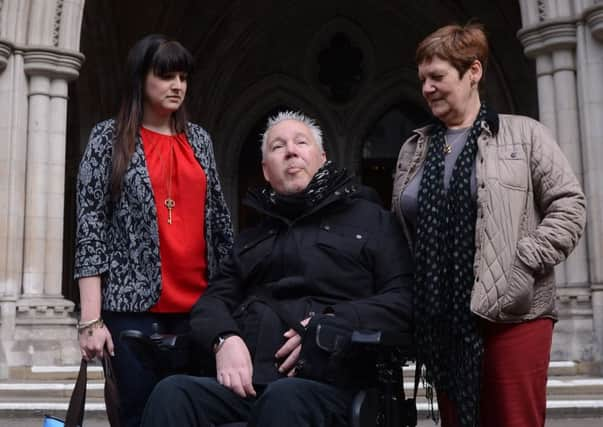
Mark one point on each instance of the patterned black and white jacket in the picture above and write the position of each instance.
(119, 239)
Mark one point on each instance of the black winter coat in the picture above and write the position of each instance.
(347, 256)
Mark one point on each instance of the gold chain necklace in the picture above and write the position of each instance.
(455, 138)
(169, 203)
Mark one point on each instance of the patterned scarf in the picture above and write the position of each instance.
(448, 341)
(324, 182)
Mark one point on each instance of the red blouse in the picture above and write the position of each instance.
(176, 174)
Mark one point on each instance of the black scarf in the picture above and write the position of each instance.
(448, 341)
(291, 206)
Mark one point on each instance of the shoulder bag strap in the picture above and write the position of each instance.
(111, 391)
(75, 411)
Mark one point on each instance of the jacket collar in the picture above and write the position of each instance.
(348, 189)
(491, 126)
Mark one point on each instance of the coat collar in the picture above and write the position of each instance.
(492, 124)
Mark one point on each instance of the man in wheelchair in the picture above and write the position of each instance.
(325, 260)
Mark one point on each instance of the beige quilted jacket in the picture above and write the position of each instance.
(531, 214)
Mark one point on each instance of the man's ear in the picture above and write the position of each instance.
(323, 155)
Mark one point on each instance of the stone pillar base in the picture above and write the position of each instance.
(44, 334)
(573, 337)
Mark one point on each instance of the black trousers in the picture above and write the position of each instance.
(134, 381)
(186, 401)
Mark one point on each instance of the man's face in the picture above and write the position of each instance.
(292, 157)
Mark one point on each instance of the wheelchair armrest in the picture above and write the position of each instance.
(385, 341)
(382, 338)
(164, 354)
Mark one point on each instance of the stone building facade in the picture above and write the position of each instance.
(349, 64)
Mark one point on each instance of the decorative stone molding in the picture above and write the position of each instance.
(541, 11)
(56, 30)
(548, 36)
(5, 51)
(574, 302)
(44, 308)
(594, 17)
(52, 62)
(340, 59)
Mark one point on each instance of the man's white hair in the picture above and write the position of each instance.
(292, 115)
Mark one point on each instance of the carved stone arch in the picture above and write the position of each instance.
(387, 91)
(251, 106)
(41, 22)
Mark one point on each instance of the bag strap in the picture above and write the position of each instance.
(418, 366)
(75, 411)
(111, 391)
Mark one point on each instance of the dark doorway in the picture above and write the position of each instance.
(382, 144)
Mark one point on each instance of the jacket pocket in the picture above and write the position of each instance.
(255, 251)
(513, 167)
(342, 242)
(519, 294)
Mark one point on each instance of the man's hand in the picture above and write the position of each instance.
(234, 367)
(290, 350)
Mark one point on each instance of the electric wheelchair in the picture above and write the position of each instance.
(383, 404)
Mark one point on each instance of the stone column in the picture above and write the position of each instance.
(591, 78)
(42, 313)
(552, 42)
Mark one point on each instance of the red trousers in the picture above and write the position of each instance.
(514, 375)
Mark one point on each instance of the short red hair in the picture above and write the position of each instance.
(459, 45)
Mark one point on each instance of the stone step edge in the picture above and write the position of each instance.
(422, 407)
(553, 383)
(564, 367)
(559, 367)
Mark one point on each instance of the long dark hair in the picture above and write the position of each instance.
(160, 55)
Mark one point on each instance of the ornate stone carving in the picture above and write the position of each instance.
(45, 308)
(547, 37)
(541, 10)
(340, 68)
(53, 62)
(340, 60)
(594, 17)
(58, 13)
(5, 51)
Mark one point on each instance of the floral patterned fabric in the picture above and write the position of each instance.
(119, 239)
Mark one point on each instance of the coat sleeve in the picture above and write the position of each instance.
(92, 203)
(561, 203)
(211, 315)
(390, 308)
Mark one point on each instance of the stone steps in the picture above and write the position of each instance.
(40, 390)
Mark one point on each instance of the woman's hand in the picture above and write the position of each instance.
(93, 340)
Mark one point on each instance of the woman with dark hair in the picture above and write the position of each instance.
(152, 223)
(491, 205)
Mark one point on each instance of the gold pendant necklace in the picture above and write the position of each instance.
(169, 202)
(455, 138)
